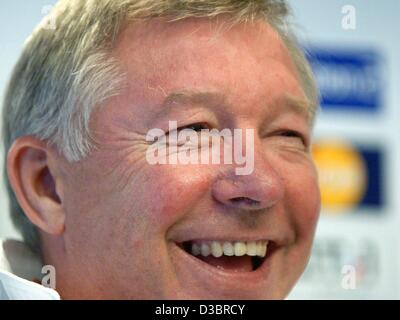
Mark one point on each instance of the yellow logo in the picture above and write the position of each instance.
(342, 174)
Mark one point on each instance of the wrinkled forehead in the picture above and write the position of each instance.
(161, 57)
(158, 38)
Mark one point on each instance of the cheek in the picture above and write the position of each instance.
(303, 200)
(171, 191)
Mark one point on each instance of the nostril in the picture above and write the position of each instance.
(247, 192)
(245, 201)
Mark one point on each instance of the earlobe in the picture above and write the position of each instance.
(32, 178)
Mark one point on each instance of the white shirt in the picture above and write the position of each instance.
(18, 268)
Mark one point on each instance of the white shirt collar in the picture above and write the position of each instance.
(19, 267)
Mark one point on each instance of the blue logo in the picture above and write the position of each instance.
(347, 79)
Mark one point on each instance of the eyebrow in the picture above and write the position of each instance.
(298, 104)
(209, 98)
(184, 97)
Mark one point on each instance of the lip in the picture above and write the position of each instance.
(210, 276)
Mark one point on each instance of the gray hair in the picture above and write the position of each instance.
(64, 73)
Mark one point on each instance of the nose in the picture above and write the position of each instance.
(261, 189)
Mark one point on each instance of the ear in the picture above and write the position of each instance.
(30, 166)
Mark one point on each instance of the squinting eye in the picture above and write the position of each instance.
(195, 127)
(290, 133)
(293, 134)
(188, 134)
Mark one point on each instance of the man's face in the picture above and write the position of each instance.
(130, 225)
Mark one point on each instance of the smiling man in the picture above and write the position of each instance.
(81, 102)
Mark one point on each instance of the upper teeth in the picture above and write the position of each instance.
(228, 248)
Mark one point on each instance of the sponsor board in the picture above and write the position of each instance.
(347, 79)
(350, 176)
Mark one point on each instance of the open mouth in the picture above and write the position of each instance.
(234, 256)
